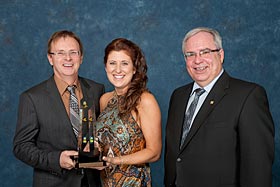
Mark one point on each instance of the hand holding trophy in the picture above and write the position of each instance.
(89, 152)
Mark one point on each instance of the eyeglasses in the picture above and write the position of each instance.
(204, 53)
(63, 54)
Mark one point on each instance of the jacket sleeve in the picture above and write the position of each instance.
(24, 145)
(256, 139)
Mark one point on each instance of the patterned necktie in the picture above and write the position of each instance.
(189, 114)
(74, 110)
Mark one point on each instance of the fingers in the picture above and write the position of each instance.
(71, 153)
(65, 160)
(113, 160)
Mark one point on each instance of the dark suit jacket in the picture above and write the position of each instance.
(44, 130)
(231, 142)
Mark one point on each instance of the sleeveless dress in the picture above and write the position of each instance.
(120, 137)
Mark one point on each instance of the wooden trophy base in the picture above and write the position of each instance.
(86, 161)
(92, 164)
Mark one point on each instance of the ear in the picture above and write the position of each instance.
(50, 59)
(82, 57)
(222, 55)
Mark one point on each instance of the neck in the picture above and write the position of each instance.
(70, 80)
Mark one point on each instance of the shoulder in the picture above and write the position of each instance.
(233, 83)
(40, 87)
(244, 86)
(149, 110)
(182, 90)
(39, 91)
(242, 83)
(147, 99)
(105, 98)
(238, 88)
(91, 83)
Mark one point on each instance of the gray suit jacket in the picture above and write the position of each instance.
(44, 131)
(231, 142)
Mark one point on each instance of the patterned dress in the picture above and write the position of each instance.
(121, 137)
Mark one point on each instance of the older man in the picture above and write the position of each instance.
(219, 129)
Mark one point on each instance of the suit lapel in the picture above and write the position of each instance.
(214, 97)
(87, 92)
(89, 97)
(59, 108)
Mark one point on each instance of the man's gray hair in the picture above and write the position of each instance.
(216, 36)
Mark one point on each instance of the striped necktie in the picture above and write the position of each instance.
(189, 114)
(74, 110)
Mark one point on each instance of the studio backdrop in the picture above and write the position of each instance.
(250, 31)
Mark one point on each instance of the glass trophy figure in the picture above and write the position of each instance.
(88, 153)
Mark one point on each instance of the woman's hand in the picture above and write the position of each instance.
(113, 160)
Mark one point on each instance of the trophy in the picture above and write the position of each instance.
(88, 153)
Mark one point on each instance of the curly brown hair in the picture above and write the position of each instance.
(130, 100)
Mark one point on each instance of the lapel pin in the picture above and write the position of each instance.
(211, 102)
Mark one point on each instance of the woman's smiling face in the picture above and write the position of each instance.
(120, 70)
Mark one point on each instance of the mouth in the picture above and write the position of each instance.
(68, 65)
(118, 76)
(200, 68)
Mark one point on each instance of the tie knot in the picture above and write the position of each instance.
(71, 89)
(199, 91)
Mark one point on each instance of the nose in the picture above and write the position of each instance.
(197, 58)
(67, 56)
(118, 68)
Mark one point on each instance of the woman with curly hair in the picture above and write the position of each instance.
(129, 126)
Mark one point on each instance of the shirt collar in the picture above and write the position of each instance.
(62, 85)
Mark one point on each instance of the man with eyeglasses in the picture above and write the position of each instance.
(219, 129)
(44, 137)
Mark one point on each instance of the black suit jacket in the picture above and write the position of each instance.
(231, 142)
(44, 130)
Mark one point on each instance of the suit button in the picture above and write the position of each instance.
(179, 159)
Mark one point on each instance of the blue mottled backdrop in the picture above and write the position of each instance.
(250, 30)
